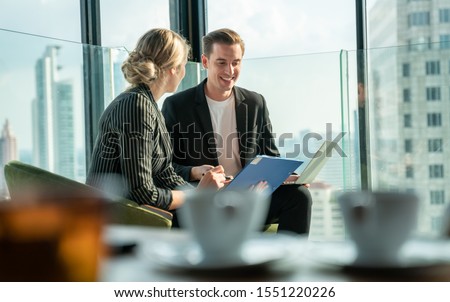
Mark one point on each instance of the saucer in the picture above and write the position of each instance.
(258, 251)
(416, 254)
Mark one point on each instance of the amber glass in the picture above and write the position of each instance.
(53, 239)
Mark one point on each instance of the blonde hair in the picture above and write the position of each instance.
(156, 51)
(222, 36)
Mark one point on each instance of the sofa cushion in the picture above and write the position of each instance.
(20, 176)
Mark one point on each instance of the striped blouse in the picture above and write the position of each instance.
(133, 146)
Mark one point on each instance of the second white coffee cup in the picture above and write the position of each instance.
(379, 223)
(220, 222)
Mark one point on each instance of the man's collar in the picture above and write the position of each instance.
(238, 96)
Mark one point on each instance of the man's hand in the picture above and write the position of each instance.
(199, 171)
(291, 179)
(259, 187)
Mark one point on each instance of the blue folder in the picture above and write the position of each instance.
(274, 170)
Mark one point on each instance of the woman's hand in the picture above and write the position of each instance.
(198, 172)
(213, 178)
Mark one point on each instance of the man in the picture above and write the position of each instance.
(218, 122)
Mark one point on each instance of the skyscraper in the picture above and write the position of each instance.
(8, 152)
(410, 95)
(53, 124)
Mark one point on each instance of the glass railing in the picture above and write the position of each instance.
(407, 114)
(306, 106)
(42, 114)
(402, 101)
(43, 104)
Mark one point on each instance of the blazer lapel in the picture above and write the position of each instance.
(204, 120)
(241, 122)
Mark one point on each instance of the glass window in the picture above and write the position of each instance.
(437, 197)
(47, 117)
(419, 19)
(409, 173)
(123, 22)
(410, 190)
(40, 75)
(55, 19)
(435, 145)
(444, 41)
(406, 95)
(289, 37)
(406, 69)
(286, 27)
(444, 15)
(407, 120)
(434, 119)
(436, 171)
(433, 93)
(432, 67)
(408, 146)
(436, 223)
(404, 29)
(419, 44)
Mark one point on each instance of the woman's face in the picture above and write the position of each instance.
(176, 75)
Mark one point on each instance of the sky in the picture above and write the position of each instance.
(272, 31)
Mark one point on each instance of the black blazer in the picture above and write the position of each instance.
(133, 147)
(189, 124)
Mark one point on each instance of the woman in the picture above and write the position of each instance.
(133, 143)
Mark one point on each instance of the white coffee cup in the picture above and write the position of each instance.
(220, 222)
(379, 223)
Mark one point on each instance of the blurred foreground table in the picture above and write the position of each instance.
(137, 265)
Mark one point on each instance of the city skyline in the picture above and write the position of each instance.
(410, 124)
(316, 32)
(304, 91)
(8, 151)
(53, 117)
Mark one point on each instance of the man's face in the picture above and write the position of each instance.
(223, 65)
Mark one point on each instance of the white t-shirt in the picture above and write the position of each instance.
(223, 118)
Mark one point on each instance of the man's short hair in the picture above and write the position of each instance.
(223, 36)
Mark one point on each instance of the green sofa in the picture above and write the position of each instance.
(20, 175)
